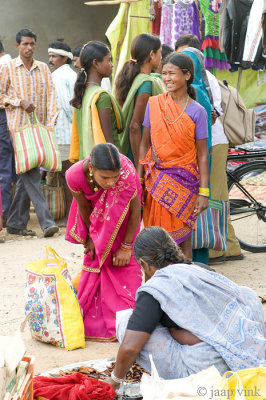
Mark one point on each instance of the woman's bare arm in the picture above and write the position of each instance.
(202, 156)
(85, 209)
(128, 351)
(145, 144)
(136, 123)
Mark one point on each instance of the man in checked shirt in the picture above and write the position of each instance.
(26, 85)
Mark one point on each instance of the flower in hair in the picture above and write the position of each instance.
(134, 60)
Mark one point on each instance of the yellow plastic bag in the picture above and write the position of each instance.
(51, 300)
(245, 384)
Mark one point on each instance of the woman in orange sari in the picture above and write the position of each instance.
(173, 153)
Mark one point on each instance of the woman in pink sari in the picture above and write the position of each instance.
(105, 218)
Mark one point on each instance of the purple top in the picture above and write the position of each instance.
(196, 112)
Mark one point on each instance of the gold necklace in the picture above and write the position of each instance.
(172, 121)
(92, 181)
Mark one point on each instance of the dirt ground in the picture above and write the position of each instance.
(16, 252)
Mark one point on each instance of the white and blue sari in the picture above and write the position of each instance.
(228, 318)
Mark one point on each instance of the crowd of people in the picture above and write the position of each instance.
(144, 152)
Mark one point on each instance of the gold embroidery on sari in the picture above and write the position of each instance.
(90, 269)
(111, 241)
(102, 339)
(72, 231)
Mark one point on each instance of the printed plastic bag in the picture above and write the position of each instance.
(245, 384)
(200, 385)
(51, 300)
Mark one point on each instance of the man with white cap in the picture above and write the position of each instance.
(64, 78)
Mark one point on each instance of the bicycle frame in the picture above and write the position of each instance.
(234, 177)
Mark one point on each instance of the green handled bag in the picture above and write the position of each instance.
(35, 146)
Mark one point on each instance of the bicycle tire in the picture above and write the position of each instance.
(253, 214)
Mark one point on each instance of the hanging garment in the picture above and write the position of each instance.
(156, 13)
(254, 32)
(131, 20)
(264, 28)
(222, 11)
(185, 20)
(214, 58)
(235, 28)
(166, 24)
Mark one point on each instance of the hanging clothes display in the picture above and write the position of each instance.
(254, 32)
(185, 20)
(131, 20)
(222, 11)
(155, 16)
(177, 19)
(235, 28)
(214, 58)
(264, 28)
(166, 23)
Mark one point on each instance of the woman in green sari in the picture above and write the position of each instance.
(97, 115)
(134, 85)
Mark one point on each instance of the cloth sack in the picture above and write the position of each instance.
(55, 199)
(193, 387)
(51, 300)
(245, 384)
(211, 227)
(238, 121)
(35, 145)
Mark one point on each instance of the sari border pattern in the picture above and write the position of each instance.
(100, 339)
(72, 231)
(90, 269)
(119, 223)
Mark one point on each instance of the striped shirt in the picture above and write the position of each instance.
(35, 85)
(64, 79)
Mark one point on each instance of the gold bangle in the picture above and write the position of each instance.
(123, 248)
(204, 191)
(142, 180)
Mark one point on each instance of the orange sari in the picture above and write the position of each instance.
(172, 178)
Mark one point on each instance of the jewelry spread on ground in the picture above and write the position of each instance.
(170, 121)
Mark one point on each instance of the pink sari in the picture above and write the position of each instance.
(104, 289)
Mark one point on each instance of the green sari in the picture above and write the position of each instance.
(122, 140)
(86, 127)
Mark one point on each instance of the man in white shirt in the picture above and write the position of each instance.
(7, 165)
(64, 78)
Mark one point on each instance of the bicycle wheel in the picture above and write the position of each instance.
(247, 199)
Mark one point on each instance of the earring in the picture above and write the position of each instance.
(91, 176)
(92, 182)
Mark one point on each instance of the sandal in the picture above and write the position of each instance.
(20, 232)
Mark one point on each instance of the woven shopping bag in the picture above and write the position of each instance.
(55, 199)
(211, 227)
(35, 145)
(52, 304)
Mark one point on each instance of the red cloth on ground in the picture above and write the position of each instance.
(73, 387)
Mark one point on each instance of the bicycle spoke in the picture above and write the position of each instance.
(247, 197)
